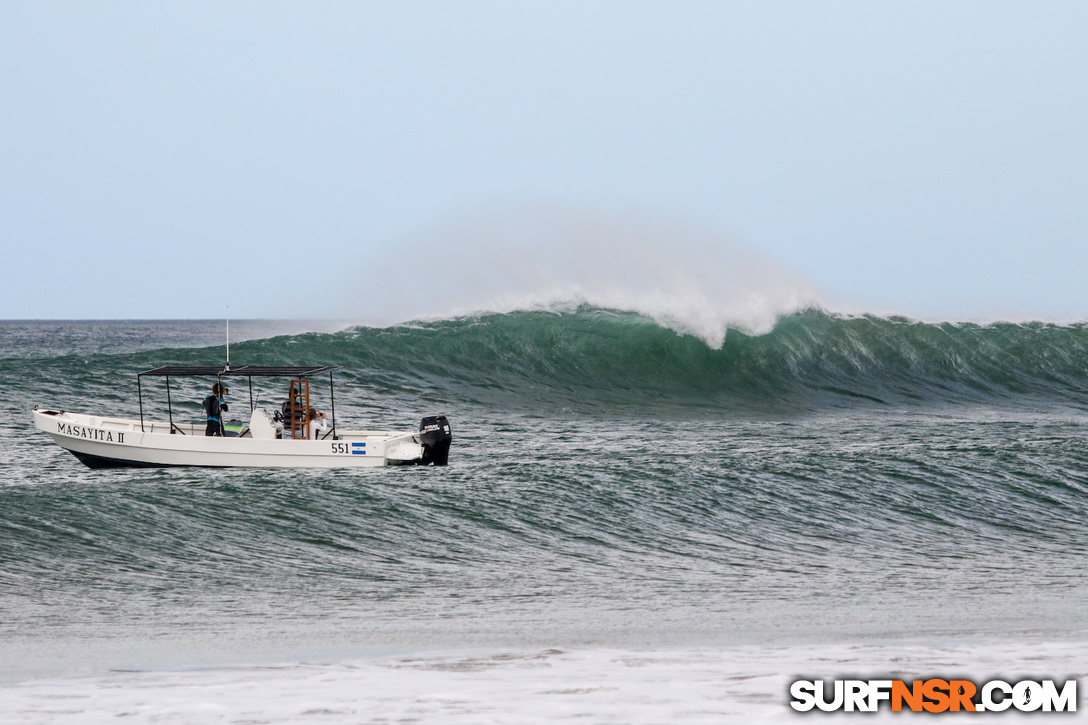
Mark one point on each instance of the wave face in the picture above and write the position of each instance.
(589, 359)
(810, 359)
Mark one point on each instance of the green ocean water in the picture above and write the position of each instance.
(611, 483)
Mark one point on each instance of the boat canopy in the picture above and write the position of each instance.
(245, 371)
(256, 371)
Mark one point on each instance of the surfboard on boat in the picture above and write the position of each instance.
(279, 438)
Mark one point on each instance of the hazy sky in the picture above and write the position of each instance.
(166, 160)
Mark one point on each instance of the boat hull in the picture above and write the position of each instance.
(117, 442)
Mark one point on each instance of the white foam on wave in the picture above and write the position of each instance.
(693, 281)
(696, 686)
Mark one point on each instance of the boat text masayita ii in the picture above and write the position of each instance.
(293, 436)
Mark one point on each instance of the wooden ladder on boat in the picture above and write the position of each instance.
(298, 409)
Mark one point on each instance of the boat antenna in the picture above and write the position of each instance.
(228, 338)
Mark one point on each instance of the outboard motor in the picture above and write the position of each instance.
(435, 435)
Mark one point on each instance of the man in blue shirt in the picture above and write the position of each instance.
(214, 407)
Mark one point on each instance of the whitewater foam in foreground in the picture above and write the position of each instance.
(696, 686)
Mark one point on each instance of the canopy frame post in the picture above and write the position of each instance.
(332, 401)
(169, 405)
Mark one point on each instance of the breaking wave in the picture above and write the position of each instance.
(586, 358)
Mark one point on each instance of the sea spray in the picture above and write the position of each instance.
(693, 280)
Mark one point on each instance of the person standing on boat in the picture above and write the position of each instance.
(214, 407)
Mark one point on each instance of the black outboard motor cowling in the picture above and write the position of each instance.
(435, 435)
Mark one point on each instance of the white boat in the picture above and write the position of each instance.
(283, 438)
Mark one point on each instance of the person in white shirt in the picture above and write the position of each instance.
(318, 424)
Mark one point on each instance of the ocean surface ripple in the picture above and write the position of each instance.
(612, 482)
